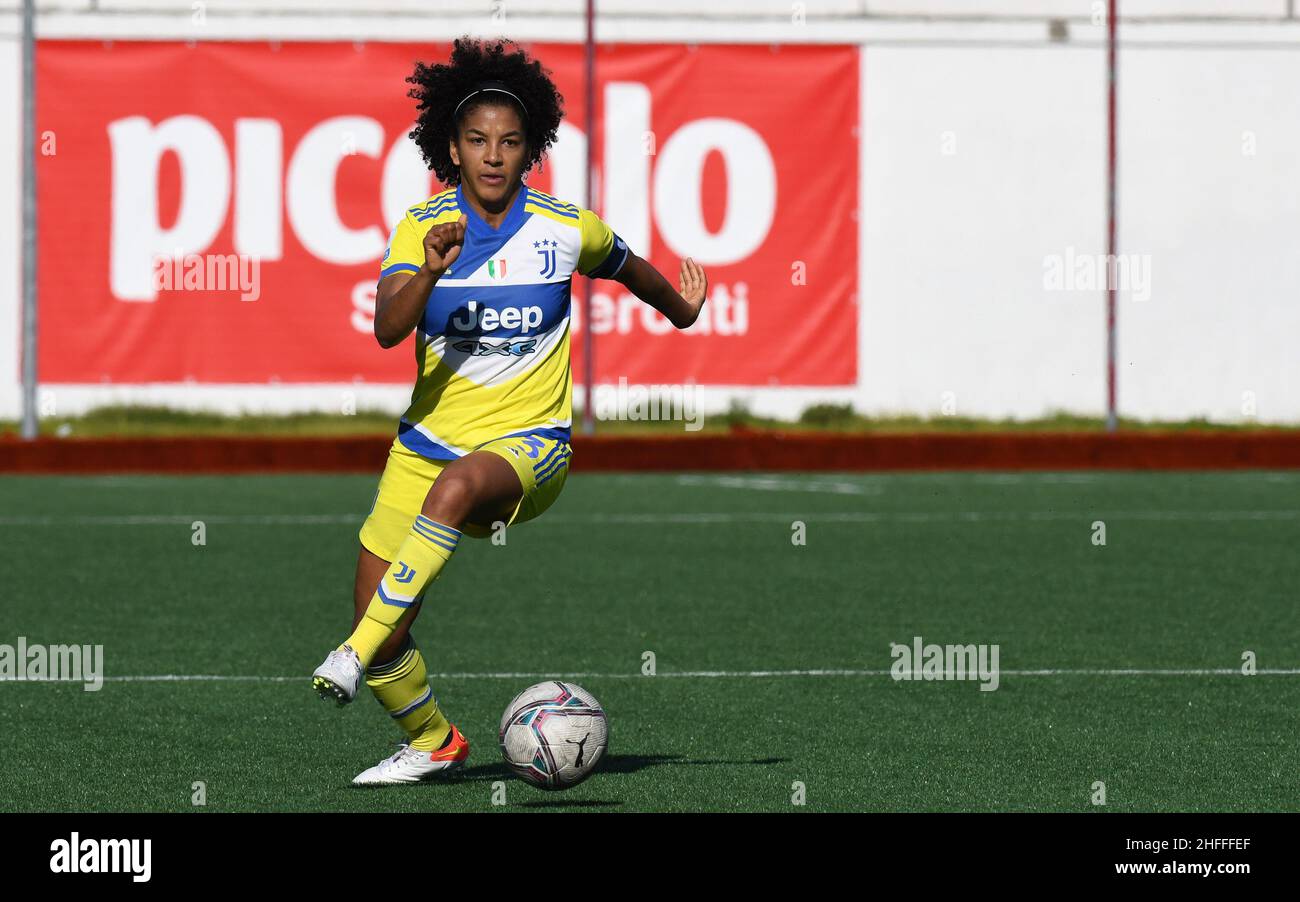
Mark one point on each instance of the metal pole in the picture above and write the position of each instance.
(1112, 21)
(588, 343)
(30, 423)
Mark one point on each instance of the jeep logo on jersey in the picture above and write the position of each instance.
(474, 317)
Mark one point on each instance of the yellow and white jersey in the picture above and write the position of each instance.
(493, 346)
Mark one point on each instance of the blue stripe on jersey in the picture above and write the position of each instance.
(398, 267)
(609, 267)
(448, 312)
(551, 199)
(443, 200)
(433, 208)
(481, 240)
(421, 444)
(442, 208)
(555, 206)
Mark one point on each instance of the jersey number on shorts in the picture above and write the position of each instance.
(534, 446)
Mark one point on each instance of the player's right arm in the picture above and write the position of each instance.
(402, 295)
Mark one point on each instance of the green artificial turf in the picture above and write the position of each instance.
(701, 571)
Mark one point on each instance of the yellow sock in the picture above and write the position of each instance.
(417, 563)
(402, 687)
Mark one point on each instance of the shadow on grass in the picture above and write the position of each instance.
(619, 764)
(562, 803)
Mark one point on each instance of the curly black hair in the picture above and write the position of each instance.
(440, 87)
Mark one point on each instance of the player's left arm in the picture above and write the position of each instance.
(681, 306)
(606, 256)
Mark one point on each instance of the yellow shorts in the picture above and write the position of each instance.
(542, 465)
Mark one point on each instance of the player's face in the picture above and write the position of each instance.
(490, 153)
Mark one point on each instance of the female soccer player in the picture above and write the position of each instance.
(481, 272)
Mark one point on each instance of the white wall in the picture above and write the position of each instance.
(982, 154)
(953, 243)
(1222, 226)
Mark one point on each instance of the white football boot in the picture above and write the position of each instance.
(340, 676)
(414, 766)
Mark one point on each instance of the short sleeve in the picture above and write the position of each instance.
(405, 251)
(603, 253)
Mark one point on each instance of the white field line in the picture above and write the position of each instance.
(963, 478)
(697, 674)
(672, 518)
(180, 519)
(926, 516)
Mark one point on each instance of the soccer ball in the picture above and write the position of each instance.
(554, 734)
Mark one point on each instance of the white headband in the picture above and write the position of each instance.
(489, 86)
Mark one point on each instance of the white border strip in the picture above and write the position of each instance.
(721, 29)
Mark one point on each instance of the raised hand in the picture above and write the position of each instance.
(693, 284)
(442, 245)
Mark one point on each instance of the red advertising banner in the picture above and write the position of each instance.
(216, 213)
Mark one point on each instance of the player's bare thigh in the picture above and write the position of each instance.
(479, 488)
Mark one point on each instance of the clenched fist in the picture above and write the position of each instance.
(442, 245)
